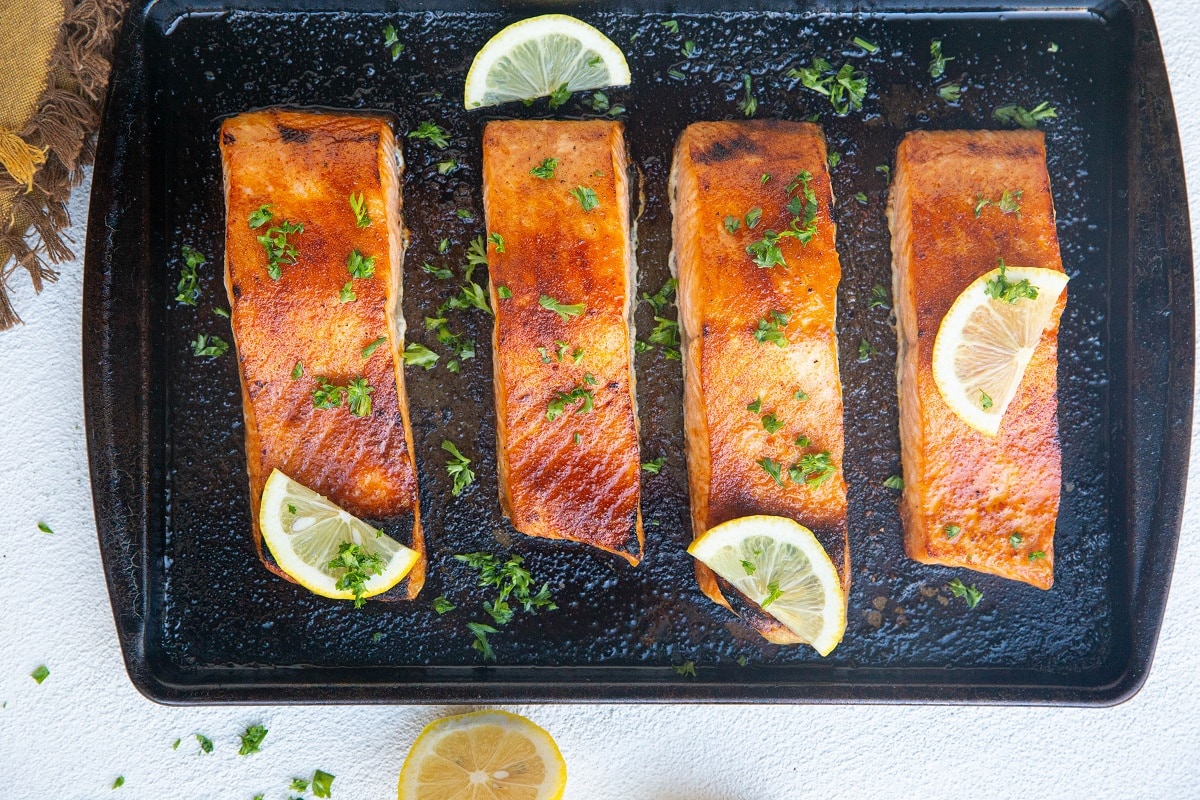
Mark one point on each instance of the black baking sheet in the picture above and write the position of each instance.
(200, 620)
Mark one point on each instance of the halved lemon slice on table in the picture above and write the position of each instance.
(778, 564)
(538, 56)
(485, 755)
(987, 338)
(325, 549)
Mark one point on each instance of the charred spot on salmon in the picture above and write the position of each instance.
(293, 135)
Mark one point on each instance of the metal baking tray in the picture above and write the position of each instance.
(201, 621)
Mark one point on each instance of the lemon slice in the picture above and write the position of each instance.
(305, 532)
(779, 564)
(534, 57)
(987, 337)
(485, 755)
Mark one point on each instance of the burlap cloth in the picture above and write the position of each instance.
(54, 62)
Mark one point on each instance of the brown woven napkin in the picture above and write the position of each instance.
(53, 71)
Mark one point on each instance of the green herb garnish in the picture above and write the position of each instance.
(564, 311)
(418, 355)
(252, 740)
(833, 159)
(458, 467)
(370, 349)
(358, 397)
(546, 169)
(879, 298)
(845, 86)
(359, 566)
(732, 224)
(442, 606)
(559, 96)
(441, 273)
(748, 105)
(654, 466)
(44, 528)
(322, 784)
(358, 205)
(481, 632)
(209, 346)
(359, 266)
(586, 197)
(279, 250)
(298, 371)
(119, 782)
(951, 531)
(970, 594)
(894, 482)
(950, 92)
(347, 294)
(687, 669)
(752, 218)
(447, 166)
(392, 41)
(188, 287)
(206, 745)
(260, 216)
(865, 351)
(985, 400)
(1018, 115)
(504, 293)
(497, 240)
(937, 61)
(813, 469)
(773, 594)
(40, 674)
(771, 423)
(580, 394)
(1035, 555)
(1000, 288)
(433, 133)
(865, 45)
(1015, 540)
(772, 468)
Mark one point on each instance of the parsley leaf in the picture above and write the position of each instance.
(586, 197)
(951, 531)
(671, 25)
(879, 298)
(564, 311)
(686, 669)
(772, 468)
(894, 482)
(392, 41)
(252, 740)
(580, 394)
(298, 371)
(441, 273)
(748, 105)
(654, 466)
(347, 294)
(40, 674)
(845, 87)
(546, 169)
(771, 328)
(1035, 555)
(119, 782)
(206, 745)
(865, 45)
(322, 784)
(358, 205)
(431, 132)
(950, 92)
(834, 158)
(865, 351)
(327, 395)
(443, 606)
(773, 594)
(358, 397)
(1015, 540)
(370, 349)
(481, 632)
(771, 423)
(44, 528)
(359, 266)
(458, 468)
(359, 566)
(937, 61)
(209, 346)
(766, 251)
(260, 216)
(279, 250)
(447, 166)
(559, 96)
(1018, 115)
(189, 282)
(813, 469)
(970, 594)
(752, 218)
(497, 240)
(418, 355)
(732, 224)
(985, 400)
(1001, 288)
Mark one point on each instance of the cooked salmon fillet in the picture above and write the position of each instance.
(989, 488)
(294, 331)
(739, 382)
(566, 421)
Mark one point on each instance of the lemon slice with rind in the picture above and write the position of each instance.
(485, 755)
(305, 533)
(535, 57)
(987, 338)
(778, 564)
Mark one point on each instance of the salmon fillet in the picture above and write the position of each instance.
(295, 330)
(574, 476)
(734, 316)
(989, 488)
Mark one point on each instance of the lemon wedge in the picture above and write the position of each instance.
(484, 755)
(538, 56)
(325, 549)
(778, 564)
(987, 337)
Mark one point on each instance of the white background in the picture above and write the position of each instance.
(72, 735)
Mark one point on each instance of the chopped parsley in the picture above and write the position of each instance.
(671, 25)
(1001, 288)
(1035, 555)
(748, 105)
(260, 216)
(206, 745)
(392, 41)
(417, 355)
(766, 176)
(752, 218)
(801, 395)
(40, 674)
(119, 782)
(666, 335)
(937, 61)
(687, 669)
(358, 205)
(481, 632)
(504, 293)
(1009, 202)
(458, 467)
(441, 273)
(1053, 48)
(188, 287)
(431, 132)
(370, 349)
(766, 251)
(894, 482)
(209, 346)
(447, 166)
(298, 371)
(359, 566)
(985, 400)
(586, 197)
(443, 606)
(221, 312)
(1015, 540)
(813, 469)
(326, 395)
(771, 329)
(472, 295)
(564, 311)
(279, 250)
(845, 86)
(833, 159)
(252, 740)
(732, 224)
(545, 170)
(865, 351)
(299, 785)
(951, 531)
(803, 441)
(688, 49)
(878, 298)
(497, 240)
(358, 397)
(861, 198)
(512, 582)
(773, 594)
(359, 266)
(476, 256)
(443, 246)
(322, 784)
(950, 92)
(580, 394)
(654, 466)
(559, 96)
(1018, 115)
(749, 566)
(970, 594)
(772, 468)
(865, 45)
(347, 294)
(771, 423)
(756, 406)
(44, 528)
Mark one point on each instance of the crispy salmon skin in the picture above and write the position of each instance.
(972, 500)
(556, 197)
(303, 328)
(761, 390)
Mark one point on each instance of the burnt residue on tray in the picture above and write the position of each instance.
(220, 608)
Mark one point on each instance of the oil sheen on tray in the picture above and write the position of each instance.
(760, 343)
(557, 195)
(989, 487)
(314, 320)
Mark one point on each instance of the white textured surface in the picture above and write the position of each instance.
(71, 736)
